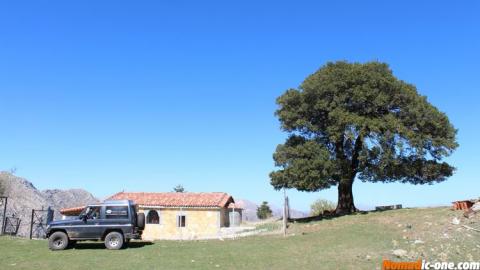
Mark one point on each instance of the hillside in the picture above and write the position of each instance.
(250, 211)
(359, 241)
(24, 196)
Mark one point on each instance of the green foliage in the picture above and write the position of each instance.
(264, 211)
(179, 188)
(319, 206)
(351, 120)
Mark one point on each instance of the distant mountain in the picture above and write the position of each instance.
(23, 197)
(68, 198)
(250, 210)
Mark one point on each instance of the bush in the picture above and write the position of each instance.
(264, 211)
(320, 206)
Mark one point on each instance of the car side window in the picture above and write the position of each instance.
(94, 212)
(116, 212)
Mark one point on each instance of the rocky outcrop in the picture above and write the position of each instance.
(23, 197)
(68, 198)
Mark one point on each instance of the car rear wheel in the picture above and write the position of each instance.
(58, 241)
(114, 240)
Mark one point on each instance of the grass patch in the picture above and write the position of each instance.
(350, 242)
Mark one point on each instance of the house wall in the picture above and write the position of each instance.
(200, 223)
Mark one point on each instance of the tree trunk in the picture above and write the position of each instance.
(345, 198)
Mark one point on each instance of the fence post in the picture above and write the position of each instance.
(31, 224)
(18, 226)
(4, 214)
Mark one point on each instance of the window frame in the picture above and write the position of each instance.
(147, 217)
(179, 220)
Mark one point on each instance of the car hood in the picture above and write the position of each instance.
(63, 222)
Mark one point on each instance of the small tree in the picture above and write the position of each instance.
(264, 211)
(319, 206)
(179, 188)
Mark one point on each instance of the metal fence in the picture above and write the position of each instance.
(39, 221)
(11, 226)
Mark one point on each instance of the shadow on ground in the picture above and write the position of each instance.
(101, 245)
(327, 216)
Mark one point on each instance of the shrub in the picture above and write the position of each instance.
(264, 211)
(320, 206)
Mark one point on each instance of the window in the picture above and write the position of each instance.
(152, 217)
(181, 221)
(116, 212)
(94, 212)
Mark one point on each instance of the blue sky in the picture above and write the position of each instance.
(141, 96)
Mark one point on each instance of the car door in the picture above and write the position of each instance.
(93, 228)
(76, 228)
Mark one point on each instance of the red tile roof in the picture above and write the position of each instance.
(176, 199)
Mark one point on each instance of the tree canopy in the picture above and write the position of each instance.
(179, 189)
(352, 121)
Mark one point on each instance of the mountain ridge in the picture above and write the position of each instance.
(23, 196)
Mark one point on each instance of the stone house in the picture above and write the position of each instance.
(173, 215)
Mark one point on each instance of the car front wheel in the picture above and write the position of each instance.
(114, 240)
(58, 241)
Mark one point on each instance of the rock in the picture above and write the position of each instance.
(469, 213)
(476, 207)
(400, 253)
(368, 258)
(455, 221)
(419, 242)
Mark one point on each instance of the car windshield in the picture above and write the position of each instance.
(84, 211)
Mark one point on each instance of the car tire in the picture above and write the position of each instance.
(58, 241)
(114, 240)
(141, 221)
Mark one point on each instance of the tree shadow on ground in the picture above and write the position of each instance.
(325, 216)
(101, 245)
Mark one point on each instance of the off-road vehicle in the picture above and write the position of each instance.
(115, 222)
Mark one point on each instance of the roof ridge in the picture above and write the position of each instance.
(169, 192)
(116, 194)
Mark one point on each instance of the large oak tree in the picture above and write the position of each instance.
(352, 121)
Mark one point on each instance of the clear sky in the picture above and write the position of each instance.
(144, 95)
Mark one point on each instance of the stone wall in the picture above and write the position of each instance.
(200, 224)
